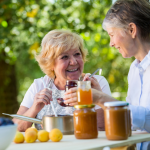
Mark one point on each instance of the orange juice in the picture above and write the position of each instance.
(84, 97)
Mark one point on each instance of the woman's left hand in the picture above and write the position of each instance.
(94, 82)
(70, 97)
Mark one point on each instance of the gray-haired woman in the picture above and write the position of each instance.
(128, 25)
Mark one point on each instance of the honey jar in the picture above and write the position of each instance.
(116, 115)
(84, 93)
(85, 122)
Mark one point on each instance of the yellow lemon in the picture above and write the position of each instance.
(43, 136)
(30, 136)
(55, 135)
(19, 137)
(31, 129)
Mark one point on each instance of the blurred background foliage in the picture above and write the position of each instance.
(23, 24)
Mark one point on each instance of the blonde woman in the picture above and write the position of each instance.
(61, 58)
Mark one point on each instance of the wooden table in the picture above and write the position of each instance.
(69, 142)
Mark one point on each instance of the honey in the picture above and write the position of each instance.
(85, 122)
(84, 97)
(116, 116)
(84, 93)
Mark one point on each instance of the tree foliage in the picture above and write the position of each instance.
(23, 24)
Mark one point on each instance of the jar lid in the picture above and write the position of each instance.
(84, 106)
(116, 103)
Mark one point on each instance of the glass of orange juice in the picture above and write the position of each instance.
(84, 93)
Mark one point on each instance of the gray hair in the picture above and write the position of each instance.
(124, 12)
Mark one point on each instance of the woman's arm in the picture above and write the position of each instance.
(140, 118)
(23, 125)
(99, 98)
(41, 99)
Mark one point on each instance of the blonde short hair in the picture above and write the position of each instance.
(53, 44)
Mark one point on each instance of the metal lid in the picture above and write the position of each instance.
(116, 103)
(84, 106)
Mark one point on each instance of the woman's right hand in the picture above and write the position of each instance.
(41, 99)
(70, 97)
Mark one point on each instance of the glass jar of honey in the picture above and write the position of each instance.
(84, 93)
(116, 117)
(85, 122)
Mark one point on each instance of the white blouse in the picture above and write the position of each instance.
(139, 97)
(139, 93)
(37, 86)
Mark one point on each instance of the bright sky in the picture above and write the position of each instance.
(113, 1)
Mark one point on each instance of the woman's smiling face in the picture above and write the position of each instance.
(69, 65)
(122, 41)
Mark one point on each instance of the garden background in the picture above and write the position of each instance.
(23, 24)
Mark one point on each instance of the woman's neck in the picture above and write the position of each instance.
(60, 84)
(143, 49)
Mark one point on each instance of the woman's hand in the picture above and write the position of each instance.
(94, 82)
(70, 97)
(41, 99)
(99, 98)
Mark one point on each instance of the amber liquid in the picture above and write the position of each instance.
(84, 97)
(116, 124)
(85, 124)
